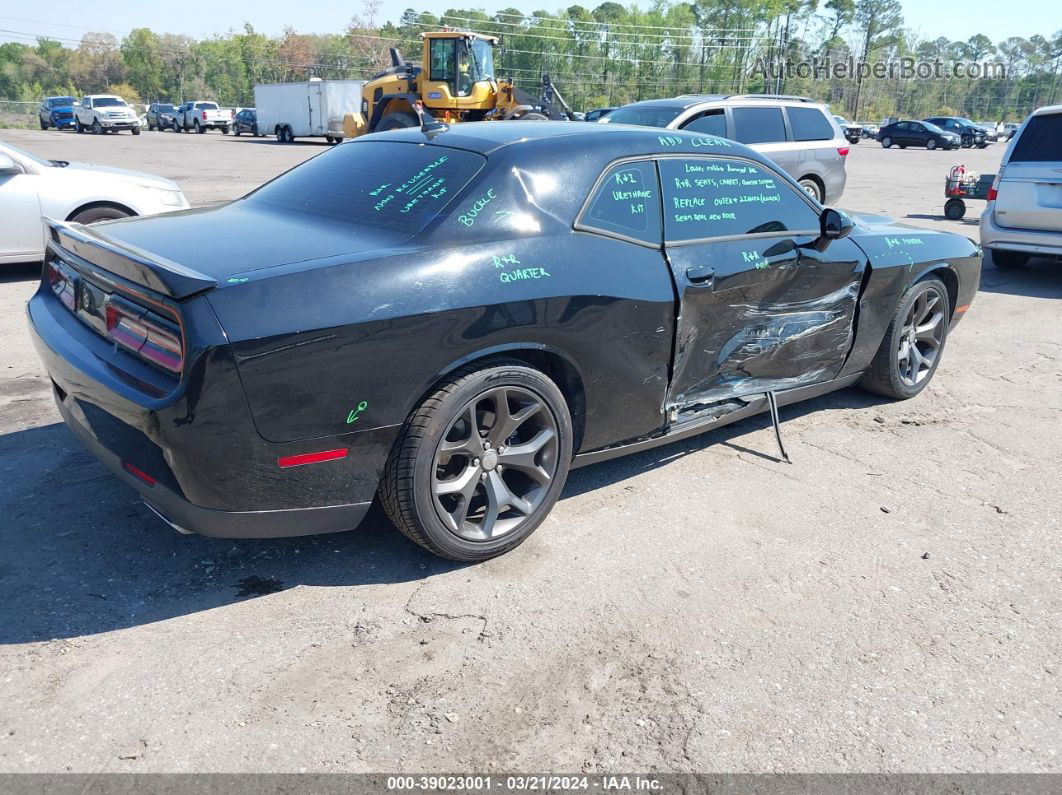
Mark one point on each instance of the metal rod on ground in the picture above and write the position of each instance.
(772, 401)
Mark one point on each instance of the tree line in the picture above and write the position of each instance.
(604, 56)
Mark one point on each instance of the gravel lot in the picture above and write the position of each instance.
(890, 602)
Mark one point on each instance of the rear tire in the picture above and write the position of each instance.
(1009, 260)
(954, 209)
(893, 372)
(496, 507)
(95, 214)
(199, 127)
(812, 188)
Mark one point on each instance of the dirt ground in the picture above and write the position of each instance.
(888, 602)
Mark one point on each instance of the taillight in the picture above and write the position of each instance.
(994, 190)
(144, 333)
(62, 284)
(842, 151)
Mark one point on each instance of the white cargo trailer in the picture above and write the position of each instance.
(300, 110)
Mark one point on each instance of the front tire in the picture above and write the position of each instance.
(94, 214)
(954, 209)
(399, 120)
(135, 130)
(96, 127)
(931, 144)
(911, 350)
(480, 463)
(44, 124)
(886, 142)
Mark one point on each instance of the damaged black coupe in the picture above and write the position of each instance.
(451, 319)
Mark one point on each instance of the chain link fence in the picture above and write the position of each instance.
(18, 115)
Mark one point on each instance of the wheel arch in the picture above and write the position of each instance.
(555, 364)
(818, 181)
(944, 272)
(104, 203)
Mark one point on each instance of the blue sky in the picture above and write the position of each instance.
(68, 19)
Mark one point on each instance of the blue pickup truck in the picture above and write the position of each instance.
(57, 112)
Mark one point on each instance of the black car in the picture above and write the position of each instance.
(452, 318)
(246, 121)
(969, 133)
(916, 133)
(597, 114)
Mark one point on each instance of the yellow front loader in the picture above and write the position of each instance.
(455, 83)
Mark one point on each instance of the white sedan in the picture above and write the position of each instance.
(32, 188)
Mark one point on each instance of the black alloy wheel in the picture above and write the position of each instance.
(912, 347)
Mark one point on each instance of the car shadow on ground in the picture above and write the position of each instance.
(1040, 278)
(270, 141)
(83, 555)
(23, 272)
(970, 219)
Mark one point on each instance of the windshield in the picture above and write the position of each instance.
(647, 116)
(481, 56)
(164, 108)
(58, 102)
(932, 127)
(841, 120)
(14, 151)
(108, 102)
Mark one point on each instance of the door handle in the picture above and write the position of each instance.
(700, 274)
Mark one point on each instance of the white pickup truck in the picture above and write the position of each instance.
(105, 113)
(201, 115)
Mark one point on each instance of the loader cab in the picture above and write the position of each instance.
(460, 70)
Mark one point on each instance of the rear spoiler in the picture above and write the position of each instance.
(128, 262)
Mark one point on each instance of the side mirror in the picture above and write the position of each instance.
(8, 165)
(833, 225)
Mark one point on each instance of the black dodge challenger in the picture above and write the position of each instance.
(451, 319)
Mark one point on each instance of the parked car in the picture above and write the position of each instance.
(796, 133)
(31, 187)
(969, 133)
(917, 133)
(991, 134)
(870, 130)
(57, 112)
(201, 115)
(160, 116)
(1009, 128)
(246, 121)
(597, 114)
(472, 275)
(105, 113)
(852, 132)
(1023, 217)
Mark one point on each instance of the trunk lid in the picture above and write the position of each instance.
(186, 252)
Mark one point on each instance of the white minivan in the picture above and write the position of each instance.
(1024, 213)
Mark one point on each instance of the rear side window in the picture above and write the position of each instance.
(706, 197)
(758, 125)
(809, 124)
(626, 203)
(397, 186)
(1040, 141)
(712, 122)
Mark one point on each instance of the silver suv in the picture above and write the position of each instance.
(1024, 213)
(797, 133)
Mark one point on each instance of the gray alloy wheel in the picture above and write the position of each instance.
(911, 350)
(480, 462)
(931, 144)
(495, 463)
(96, 127)
(811, 188)
(886, 142)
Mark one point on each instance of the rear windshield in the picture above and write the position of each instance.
(108, 102)
(1040, 141)
(206, 106)
(652, 116)
(396, 186)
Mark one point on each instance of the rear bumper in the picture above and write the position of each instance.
(1028, 241)
(185, 517)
